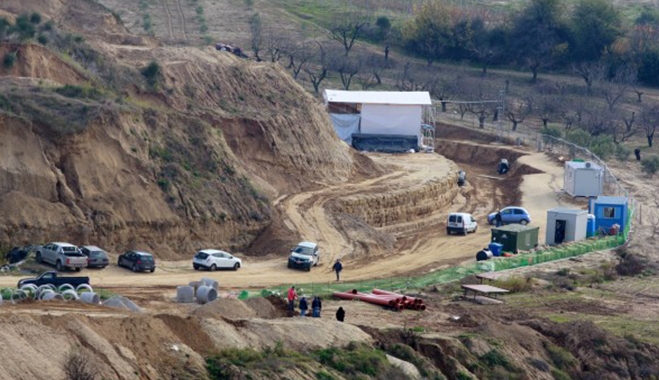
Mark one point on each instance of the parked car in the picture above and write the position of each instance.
(511, 215)
(461, 222)
(97, 258)
(53, 279)
(17, 254)
(137, 261)
(304, 256)
(62, 255)
(213, 259)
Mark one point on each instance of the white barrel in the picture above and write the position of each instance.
(90, 297)
(30, 290)
(184, 294)
(195, 285)
(210, 282)
(70, 294)
(206, 294)
(51, 296)
(43, 288)
(86, 287)
(18, 295)
(64, 287)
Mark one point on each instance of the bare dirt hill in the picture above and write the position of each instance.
(188, 162)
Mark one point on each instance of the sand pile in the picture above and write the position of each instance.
(230, 308)
(264, 307)
(119, 302)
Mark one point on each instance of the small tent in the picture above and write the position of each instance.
(583, 179)
(565, 225)
(388, 118)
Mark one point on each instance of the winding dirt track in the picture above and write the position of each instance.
(424, 250)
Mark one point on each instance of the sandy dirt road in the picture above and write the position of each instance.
(422, 251)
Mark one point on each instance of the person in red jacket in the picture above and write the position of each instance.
(292, 295)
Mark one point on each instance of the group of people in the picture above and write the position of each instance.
(316, 305)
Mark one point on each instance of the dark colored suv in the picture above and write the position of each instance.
(96, 257)
(137, 261)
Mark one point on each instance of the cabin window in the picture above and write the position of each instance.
(609, 212)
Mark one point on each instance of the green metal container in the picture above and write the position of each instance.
(516, 237)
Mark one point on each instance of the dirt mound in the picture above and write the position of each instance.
(267, 308)
(229, 308)
(122, 303)
(36, 61)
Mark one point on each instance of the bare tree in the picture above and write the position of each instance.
(481, 107)
(276, 44)
(547, 104)
(649, 121)
(599, 120)
(347, 67)
(300, 55)
(78, 366)
(256, 31)
(345, 28)
(317, 73)
(613, 89)
(589, 72)
(518, 110)
(629, 130)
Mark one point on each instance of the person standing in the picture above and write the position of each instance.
(303, 306)
(340, 314)
(498, 218)
(338, 267)
(316, 305)
(637, 153)
(292, 295)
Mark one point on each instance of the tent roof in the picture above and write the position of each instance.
(378, 97)
(583, 165)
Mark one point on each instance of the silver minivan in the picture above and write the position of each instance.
(461, 222)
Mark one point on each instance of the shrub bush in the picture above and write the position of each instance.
(602, 146)
(9, 60)
(152, 73)
(35, 18)
(579, 137)
(650, 164)
(623, 153)
(42, 39)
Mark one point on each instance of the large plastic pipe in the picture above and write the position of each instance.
(210, 282)
(206, 294)
(70, 294)
(384, 292)
(51, 296)
(87, 287)
(184, 294)
(370, 298)
(64, 287)
(90, 297)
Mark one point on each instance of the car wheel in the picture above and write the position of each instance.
(524, 222)
(213, 268)
(475, 229)
(119, 262)
(236, 266)
(309, 268)
(152, 270)
(465, 232)
(78, 269)
(448, 231)
(39, 259)
(134, 268)
(196, 267)
(289, 266)
(59, 266)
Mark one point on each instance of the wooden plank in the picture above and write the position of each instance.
(488, 276)
(490, 177)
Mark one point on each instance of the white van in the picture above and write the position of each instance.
(461, 222)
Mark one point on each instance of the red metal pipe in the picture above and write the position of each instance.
(422, 307)
(370, 298)
(407, 298)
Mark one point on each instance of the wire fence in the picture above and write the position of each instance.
(542, 143)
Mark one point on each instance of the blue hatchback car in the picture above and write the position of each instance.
(511, 215)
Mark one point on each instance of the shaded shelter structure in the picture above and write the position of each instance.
(383, 121)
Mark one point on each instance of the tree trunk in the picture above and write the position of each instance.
(515, 125)
(534, 70)
(544, 122)
(443, 106)
(484, 70)
(481, 121)
(386, 53)
(650, 139)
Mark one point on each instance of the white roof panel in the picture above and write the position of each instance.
(378, 97)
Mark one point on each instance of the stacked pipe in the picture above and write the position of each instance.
(385, 298)
(204, 291)
(83, 292)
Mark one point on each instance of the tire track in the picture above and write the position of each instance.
(170, 29)
(182, 16)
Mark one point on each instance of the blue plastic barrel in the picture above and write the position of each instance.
(496, 248)
(590, 226)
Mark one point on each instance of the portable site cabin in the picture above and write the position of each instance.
(609, 211)
(583, 179)
(516, 237)
(387, 121)
(564, 225)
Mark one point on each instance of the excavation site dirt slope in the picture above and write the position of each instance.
(190, 159)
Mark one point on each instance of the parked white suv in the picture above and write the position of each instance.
(304, 256)
(461, 222)
(213, 259)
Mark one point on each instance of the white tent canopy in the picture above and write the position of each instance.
(386, 113)
(420, 98)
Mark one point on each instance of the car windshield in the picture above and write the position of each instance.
(71, 251)
(97, 254)
(303, 250)
(201, 255)
(146, 258)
